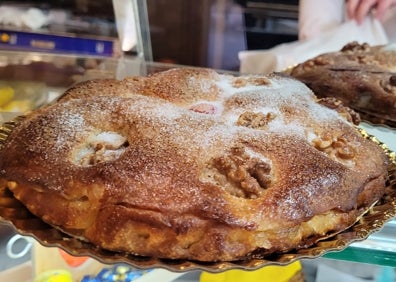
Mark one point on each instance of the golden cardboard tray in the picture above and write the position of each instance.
(25, 223)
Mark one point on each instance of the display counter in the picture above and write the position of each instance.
(42, 77)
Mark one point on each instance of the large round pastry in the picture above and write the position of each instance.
(363, 77)
(193, 164)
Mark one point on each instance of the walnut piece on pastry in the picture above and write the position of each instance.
(193, 164)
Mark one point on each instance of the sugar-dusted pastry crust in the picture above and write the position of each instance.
(363, 77)
(192, 164)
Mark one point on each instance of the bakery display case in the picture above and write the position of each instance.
(30, 79)
(86, 28)
(19, 71)
(212, 30)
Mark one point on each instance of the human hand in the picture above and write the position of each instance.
(359, 9)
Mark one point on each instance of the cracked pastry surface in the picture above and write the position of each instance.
(192, 164)
(363, 77)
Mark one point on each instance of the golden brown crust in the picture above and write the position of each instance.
(193, 164)
(363, 77)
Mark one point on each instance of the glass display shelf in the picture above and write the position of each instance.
(379, 248)
(58, 72)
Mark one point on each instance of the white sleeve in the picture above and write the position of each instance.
(389, 24)
(316, 16)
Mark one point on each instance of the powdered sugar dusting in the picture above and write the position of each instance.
(204, 85)
(110, 138)
(82, 128)
(292, 102)
(68, 122)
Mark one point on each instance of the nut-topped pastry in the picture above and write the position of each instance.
(363, 77)
(193, 164)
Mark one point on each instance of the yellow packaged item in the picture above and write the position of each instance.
(271, 273)
(6, 95)
(54, 276)
(20, 106)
